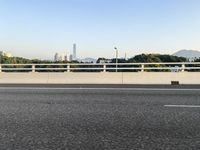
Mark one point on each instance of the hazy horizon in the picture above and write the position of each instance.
(39, 29)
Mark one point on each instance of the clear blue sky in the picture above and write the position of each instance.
(39, 28)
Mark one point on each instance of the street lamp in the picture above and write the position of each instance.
(116, 52)
(0, 57)
(0, 62)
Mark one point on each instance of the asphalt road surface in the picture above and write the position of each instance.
(108, 118)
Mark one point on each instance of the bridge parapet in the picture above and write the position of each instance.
(108, 67)
(99, 77)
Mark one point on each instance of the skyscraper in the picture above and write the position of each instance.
(74, 51)
(56, 57)
(70, 57)
(66, 58)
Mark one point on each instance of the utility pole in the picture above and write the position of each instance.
(0, 58)
(116, 52)
(125, 57)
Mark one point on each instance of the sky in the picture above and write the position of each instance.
(40, 28)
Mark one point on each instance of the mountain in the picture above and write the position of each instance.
(88, 60)
(190, 54)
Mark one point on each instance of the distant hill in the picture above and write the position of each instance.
(149, 58)
(88, 60)
(190, 54)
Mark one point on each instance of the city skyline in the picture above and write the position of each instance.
(66, 56)
(38, 29)
(71, 55)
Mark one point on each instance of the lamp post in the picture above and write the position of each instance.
(116, 52)
(1, 53)
(0, 61)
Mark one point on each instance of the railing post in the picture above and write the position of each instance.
(68, 68)
(33, 68)
(183, 68)
(0, 68)
(104, 68)
(142, 70)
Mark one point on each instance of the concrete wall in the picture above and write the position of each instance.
(101, 78)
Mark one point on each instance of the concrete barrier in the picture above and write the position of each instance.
(100, 78)
(161, 77)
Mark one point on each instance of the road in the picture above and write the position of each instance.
(102, 118)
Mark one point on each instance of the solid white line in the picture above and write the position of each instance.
(118, 89)
(183, 106)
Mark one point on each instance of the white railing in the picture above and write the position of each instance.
(107, 67)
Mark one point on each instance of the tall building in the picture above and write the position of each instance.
(70, 57)
(74, 51)
(62, 57)
(66, 58)
(8, 55)
(56, 57)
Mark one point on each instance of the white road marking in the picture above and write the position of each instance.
(183, 106)
(85, 88)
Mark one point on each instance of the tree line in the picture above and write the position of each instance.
(142, 58)
(148, 58)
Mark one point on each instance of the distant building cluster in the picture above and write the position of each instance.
(60, 57)
(2, 53)
(65, 57)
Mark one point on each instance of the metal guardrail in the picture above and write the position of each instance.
(107, 67)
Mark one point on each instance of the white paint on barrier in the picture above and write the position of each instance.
(183, 106)
(85, 88)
